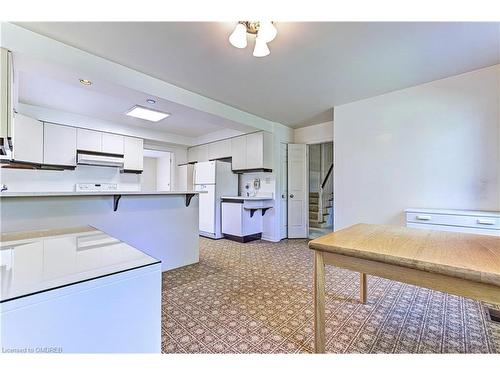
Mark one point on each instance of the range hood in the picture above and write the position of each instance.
(99, 159)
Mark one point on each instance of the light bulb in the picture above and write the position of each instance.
(238, 38)
(267, 31)
(261, 48)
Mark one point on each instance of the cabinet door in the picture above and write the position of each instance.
(27, 139)
(267, 152)
(202, 152)
(133, 156)
(59, 145)
(219, 149)
(192, 154)
(112, 143)
(88, 140)
(255, 151)
(239, 152)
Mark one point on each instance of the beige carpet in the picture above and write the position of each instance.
(257, 298)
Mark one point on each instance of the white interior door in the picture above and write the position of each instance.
(298, 220)
(163, 172)
(284, 190)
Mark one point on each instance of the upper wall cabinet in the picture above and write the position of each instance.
(6, 97)
(239, 152)
(198, 153)
(88, 140)
(112, 143)
(59, 145)
(133, 156)
(91, 140)
(27, 140)
(252, 152)
(219, 150)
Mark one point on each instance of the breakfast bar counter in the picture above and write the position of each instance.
(457, 263)
(162, 224)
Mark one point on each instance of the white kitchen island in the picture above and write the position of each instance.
(164, 225)
(77, 290)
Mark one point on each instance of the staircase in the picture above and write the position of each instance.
(320, 217)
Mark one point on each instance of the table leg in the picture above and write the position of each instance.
(362, 287)
(319, 302)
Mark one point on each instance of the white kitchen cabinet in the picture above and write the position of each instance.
(466, 221)
(6, 95)
(239, 152)
(192, 154)
(242, 220)
(219, 150)
(112, 143)
(198, 153)
(59, 145)
(88, 140)
(252, 151)
(133, 154)
(203, 152)
(27, 139)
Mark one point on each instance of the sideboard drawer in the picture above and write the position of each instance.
(484, 222)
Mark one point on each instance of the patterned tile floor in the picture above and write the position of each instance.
(257, 298)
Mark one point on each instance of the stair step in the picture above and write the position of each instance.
(313, 195)
(314, 200)
(313, 208)
(313, 215)
(315, 224)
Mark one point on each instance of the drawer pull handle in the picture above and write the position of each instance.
(423, 217)
(485, 222)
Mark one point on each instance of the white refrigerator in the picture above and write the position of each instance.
(215, 179)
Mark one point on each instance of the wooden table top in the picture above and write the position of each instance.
(467, 256)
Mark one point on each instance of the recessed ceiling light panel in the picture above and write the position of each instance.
(146, 113)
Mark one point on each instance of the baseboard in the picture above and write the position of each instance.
(243, 239)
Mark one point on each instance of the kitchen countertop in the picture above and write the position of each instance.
(36, 261)
(249, 198)
(469, 256)
(90, 193)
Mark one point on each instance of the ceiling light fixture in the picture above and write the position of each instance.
(146, 113)
(265, 32)
(151, 101)
(85, 82)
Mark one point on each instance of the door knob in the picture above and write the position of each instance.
(291, 195)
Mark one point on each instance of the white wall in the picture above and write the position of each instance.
(434, 145)
(319, 133)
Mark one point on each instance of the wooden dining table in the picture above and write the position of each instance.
(462, 264)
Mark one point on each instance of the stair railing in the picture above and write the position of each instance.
(321, 203)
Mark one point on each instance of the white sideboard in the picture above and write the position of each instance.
(466, 221)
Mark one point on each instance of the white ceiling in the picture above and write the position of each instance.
(312, 67)
(55, 87)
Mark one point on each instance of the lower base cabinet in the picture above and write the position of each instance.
(239, 223)
(120, 313)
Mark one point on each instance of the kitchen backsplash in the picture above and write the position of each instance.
(19, 180)
(267, 183)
